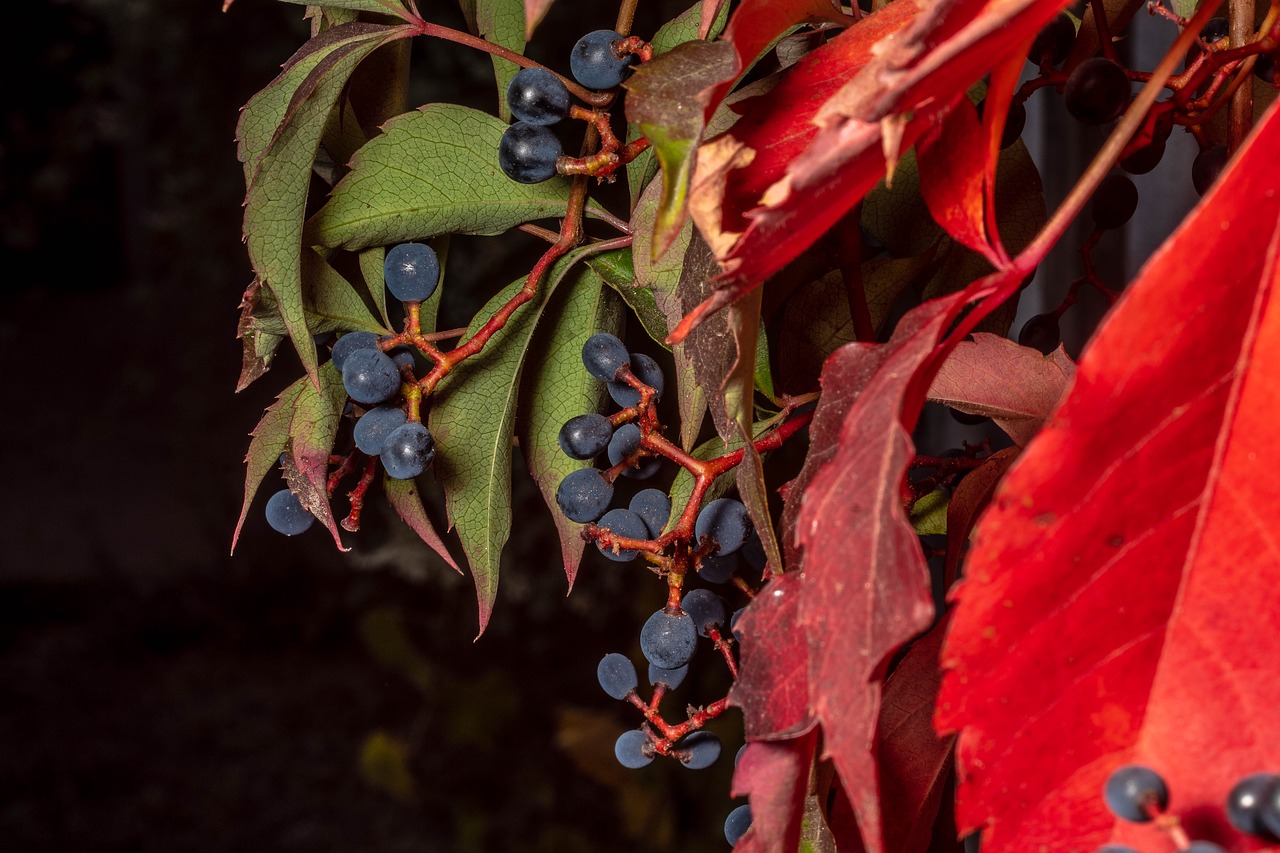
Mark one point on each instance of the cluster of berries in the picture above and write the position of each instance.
(372, 379)
(529, 152)
(1139, 794)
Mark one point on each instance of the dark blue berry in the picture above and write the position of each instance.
(376, 424)
(370, 376)
(733, 623)
(1116, 848)
(718, 568)
(1097, 91)
(1244, 803)
(737, 756)
(625, 441)
(595, 62)
(584, 436)
(617, 675)
(705, 608)
(1264, 68)
(349, 343)
(647, 371)
(1130, 790)
(668, 641)
(699, 750)
(1054, 41)
(411, 271)
(401, 356)
(1204, 847)
(654, 508)
(604, 355)
(408, 451)
(633, 749)
(527, 153)
(584, 495)
(726, 521)
(673, 678)
(1215, 30)
(625, 523)
(1144, 159)
(1041, 332)
(753, 552)
(537, 96)
(1114, 202)
(287, 515)
(1270, 810)
(737, 824)
(1207, 166)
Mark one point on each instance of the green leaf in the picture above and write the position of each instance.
(312, 428)
(258, 346)
(270, 439)
(382, 7)
(680, 29)
(929, 514)
(502, 22)
(559, 389)
(331, 303)
(616, 270)
(432, 171)
(405, 499)
(278, 167)
(373, 270)
(473, 421)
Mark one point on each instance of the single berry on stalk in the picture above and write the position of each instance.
(411, 271)
(654, 508)
(1054, 42)
(537, 96)
(1245, 802)
(1269, 810)
(603, 355)
(527, 153)
(648, 372)
(370, 376)
(617, 675)
(1132, 792)
(1041, 332)
(673, 678)
(726, 521)
(1144, 159)
(1097, 91)
(1215, 30)
(667, 640)
(1207, 166)
(408, 451)
(349, 343)
(718, 568)
(625, 441)
(585, 436)
(624, 523)
(705, 608)
(1114, 202)
(633, 749)
(287, 515)
(375, 426)
(401, 356)
(595, 61)
(584, 495)
(737, 824)
(698, 750)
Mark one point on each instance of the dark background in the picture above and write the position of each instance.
(157, 694)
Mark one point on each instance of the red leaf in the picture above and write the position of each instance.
(1014, 385)
(952, 158)
(775, 775)
(858, 611)
(920, 64)
(914, 763)
(773, 688)
(969, 499)
(1120, 604)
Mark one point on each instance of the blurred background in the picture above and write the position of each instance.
(157, 694)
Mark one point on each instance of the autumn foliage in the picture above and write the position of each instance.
(1112, 576)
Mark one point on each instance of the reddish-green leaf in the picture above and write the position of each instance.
(270, 439)
(312, 429)
(775, 775)
(1015, 386)
(407, 502)
(1120, 604)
